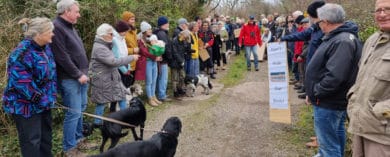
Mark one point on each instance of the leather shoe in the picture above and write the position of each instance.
(302, 96)
(297, 87)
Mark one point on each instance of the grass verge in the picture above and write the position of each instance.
(236, 72)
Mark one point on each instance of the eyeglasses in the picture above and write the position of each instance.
(380, 10)
(290, 21)
(318, 22)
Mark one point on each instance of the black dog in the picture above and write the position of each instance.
(162, 144)
(87, 128)
(134, 115)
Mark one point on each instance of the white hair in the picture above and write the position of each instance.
(333, 13)
(35, 26)
(103, 29)
(295, 14)
(64, 5)
(264, 21)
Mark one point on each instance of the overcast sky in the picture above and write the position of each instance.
(271, 1)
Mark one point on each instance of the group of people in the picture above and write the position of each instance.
(52, 59)
(337, 74)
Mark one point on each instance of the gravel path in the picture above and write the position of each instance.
(230, 122)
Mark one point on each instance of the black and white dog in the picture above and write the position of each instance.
(133, 91)
(193, 82)
(161, 144)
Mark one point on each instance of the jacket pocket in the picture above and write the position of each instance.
(380, 87)
(369, 123)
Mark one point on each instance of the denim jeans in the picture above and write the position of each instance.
(162, 82)
(192, 67)
(74, 96)
(99, 110)
(330, 131)
(151, 78)
(35, 134)
(248, 51)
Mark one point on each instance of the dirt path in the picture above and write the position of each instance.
(231, 122)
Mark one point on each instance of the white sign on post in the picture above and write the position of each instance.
(278, 84)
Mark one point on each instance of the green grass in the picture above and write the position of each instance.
(303, 129)
(296, 136)
(236, 72)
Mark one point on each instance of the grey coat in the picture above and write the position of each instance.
(106, 84)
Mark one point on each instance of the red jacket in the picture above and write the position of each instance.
(298, 47)
(140, 70)
(251, 35)
(207, 37)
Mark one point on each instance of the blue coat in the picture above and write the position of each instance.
(312, 34)
(32, 80)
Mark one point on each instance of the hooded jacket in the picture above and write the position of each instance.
(333, 68)
(251, 35)
(106, 83)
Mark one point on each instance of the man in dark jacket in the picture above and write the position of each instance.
(72, 71)
(230, 29)
(330, 74)
(162, 78)
(182, 25)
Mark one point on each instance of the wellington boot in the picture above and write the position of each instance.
(157, 101)
(151, 102)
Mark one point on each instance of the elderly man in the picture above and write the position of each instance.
(182, 25)
(72, 71)
(330, 74)
(369, 98)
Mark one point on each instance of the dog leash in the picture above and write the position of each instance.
(60, 106)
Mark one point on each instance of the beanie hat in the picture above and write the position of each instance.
(127, 15)
(122, 26)
(162, 20)
(299, 19)
(145, 26)
(312, 8)
(182, 21)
